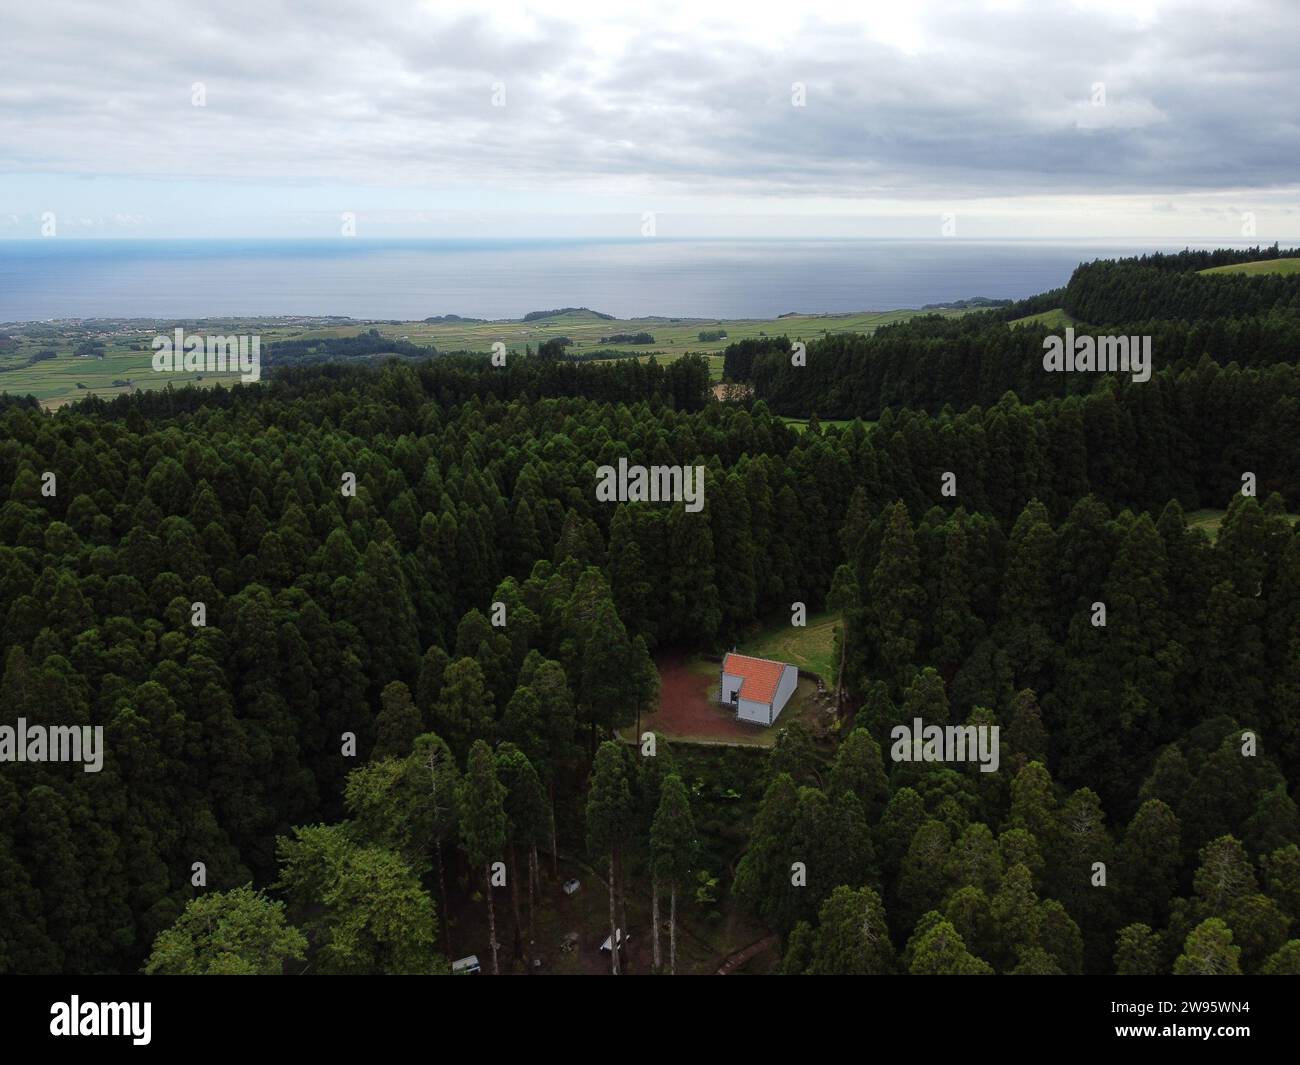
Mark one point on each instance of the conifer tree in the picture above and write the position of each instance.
(610, 815)
(483, 826)
(672, 849)
(895, 600)
(852, 936)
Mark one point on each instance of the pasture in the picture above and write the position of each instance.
(1056, 318)
(126, 363)
(1263, 266)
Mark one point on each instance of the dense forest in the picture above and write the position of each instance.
(1171, 286)
(932, 362)
(357, 634)
(302, 352)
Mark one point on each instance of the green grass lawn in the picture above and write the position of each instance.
(1056, 318)
(1210, 520)
(1264, 266)
(811, 647)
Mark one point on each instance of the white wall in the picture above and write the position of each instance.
(749, 710)
(730, 683)
(789, 681)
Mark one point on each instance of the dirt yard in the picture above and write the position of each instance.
(686, 709)
(689, 710)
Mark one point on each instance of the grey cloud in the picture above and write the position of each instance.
(993, 104)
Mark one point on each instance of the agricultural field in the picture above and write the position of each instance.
(67, 377)
(1263, 266)
(1056, 318)
(124, 362)
(674, 336)
(664, 358)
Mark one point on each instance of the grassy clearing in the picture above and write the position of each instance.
(801, 424)
(1264, 266)
(1206, 520)
(1210, 521)
(811, 647)
(1056, 318)
(664, 358)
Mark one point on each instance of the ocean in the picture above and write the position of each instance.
(414, 279)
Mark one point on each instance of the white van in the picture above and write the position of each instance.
(466, 966)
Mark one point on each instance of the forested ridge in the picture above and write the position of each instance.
(933, 361)
(329, 614)
(1170, 286)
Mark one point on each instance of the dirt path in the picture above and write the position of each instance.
(740, 957)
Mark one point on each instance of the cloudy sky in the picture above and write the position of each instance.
(266, 118)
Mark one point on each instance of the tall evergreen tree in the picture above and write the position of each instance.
(895, 600)
(610, 815)
(672, 849)
(483, 826)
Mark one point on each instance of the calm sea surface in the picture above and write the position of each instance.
(61, 278)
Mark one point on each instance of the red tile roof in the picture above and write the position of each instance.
(759, 676)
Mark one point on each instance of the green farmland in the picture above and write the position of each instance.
(123, 362)
(1263, 266)
(1056, 318)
